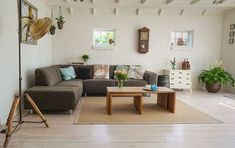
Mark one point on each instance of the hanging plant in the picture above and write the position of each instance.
(60, 20)
(53, 28)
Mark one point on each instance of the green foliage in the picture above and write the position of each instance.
(216, 75)
(60, 19)
(121, 74)
(85, 57)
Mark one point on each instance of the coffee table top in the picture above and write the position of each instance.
(138, 90)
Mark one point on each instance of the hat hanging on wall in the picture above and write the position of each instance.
(39, 27)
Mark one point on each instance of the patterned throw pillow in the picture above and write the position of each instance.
(136, 72)
(101, 72)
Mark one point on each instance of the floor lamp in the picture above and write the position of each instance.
(37, 29)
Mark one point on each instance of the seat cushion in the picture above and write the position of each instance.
(54, 97)
(74, 82)
(97, 86)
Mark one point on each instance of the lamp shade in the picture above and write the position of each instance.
(39, 27)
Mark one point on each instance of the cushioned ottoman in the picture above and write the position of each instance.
(54, 97)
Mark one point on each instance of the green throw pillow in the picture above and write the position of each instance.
(68, 73)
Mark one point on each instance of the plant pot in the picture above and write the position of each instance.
(52, 30)
(85, 60)
(214, 88)
(60, 25)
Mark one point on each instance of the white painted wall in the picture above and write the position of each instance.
(228, 50)
(32, 55)
(76, 39)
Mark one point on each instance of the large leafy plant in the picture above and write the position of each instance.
(216, 74)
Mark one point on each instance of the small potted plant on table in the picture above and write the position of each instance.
(214, 77)
(121, 75)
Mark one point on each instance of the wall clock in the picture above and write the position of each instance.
(143, 45)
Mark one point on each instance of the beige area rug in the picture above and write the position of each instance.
(92, 110)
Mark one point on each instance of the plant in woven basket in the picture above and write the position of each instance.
(213, 78)
(121, 75)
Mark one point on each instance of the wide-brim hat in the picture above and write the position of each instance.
(39, 27)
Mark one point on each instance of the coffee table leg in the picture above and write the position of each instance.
(109, 103)
(162, 99)
(137, 101)
(171, 102)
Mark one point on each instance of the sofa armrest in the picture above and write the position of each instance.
(150, 77)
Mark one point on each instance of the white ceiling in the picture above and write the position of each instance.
(143, 7)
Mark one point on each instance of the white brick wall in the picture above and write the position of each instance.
(76, 39)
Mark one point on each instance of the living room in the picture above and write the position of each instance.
(209, 26)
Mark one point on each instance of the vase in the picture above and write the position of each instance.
(120, 83)
(60, 25)
(213, 88)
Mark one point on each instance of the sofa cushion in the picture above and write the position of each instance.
(136, 72)
(68, 73)
(84, 72)
(47, 76)
(97, 86)
(54, 98)
(101, 72)
(74, 82)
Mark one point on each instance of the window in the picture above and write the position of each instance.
(182, 39)
(104, 39)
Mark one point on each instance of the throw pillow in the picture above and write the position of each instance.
(121, 67)
(101, 72)
(84, 72)
(136, 72)
(68, 73)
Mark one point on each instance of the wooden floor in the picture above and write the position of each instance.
(63, 134)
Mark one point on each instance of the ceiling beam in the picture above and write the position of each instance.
(194, 2)
(138, 11)
(159, 12)
(93, 11)
(169, 1)
(141, 6)
(204, 12)
(117, 1)
(71, 11)
(181, 12)
(143, 1)
(115, 11)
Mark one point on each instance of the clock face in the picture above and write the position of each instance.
(144, 36)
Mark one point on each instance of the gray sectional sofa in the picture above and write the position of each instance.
(53, 93)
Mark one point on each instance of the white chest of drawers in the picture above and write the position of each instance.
(180, 79)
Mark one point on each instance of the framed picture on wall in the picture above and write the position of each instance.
(231, 34)
(231, 41)
(232, 27)
(28, 12)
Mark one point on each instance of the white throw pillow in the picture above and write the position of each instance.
(136, 72)
(101, 72)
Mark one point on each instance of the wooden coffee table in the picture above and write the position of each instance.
(165, 97)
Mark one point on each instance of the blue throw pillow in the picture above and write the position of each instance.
(68, 73)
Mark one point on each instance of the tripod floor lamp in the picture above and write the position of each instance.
(37, 29)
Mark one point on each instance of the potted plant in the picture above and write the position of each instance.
(213, 78)
(60, 22)
(121, 75)
(52, 30)
(85, 58)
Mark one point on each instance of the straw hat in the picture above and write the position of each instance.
(39, 27)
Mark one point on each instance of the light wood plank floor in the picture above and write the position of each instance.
(63, 134)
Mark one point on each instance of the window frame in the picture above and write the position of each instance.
(111, 47)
